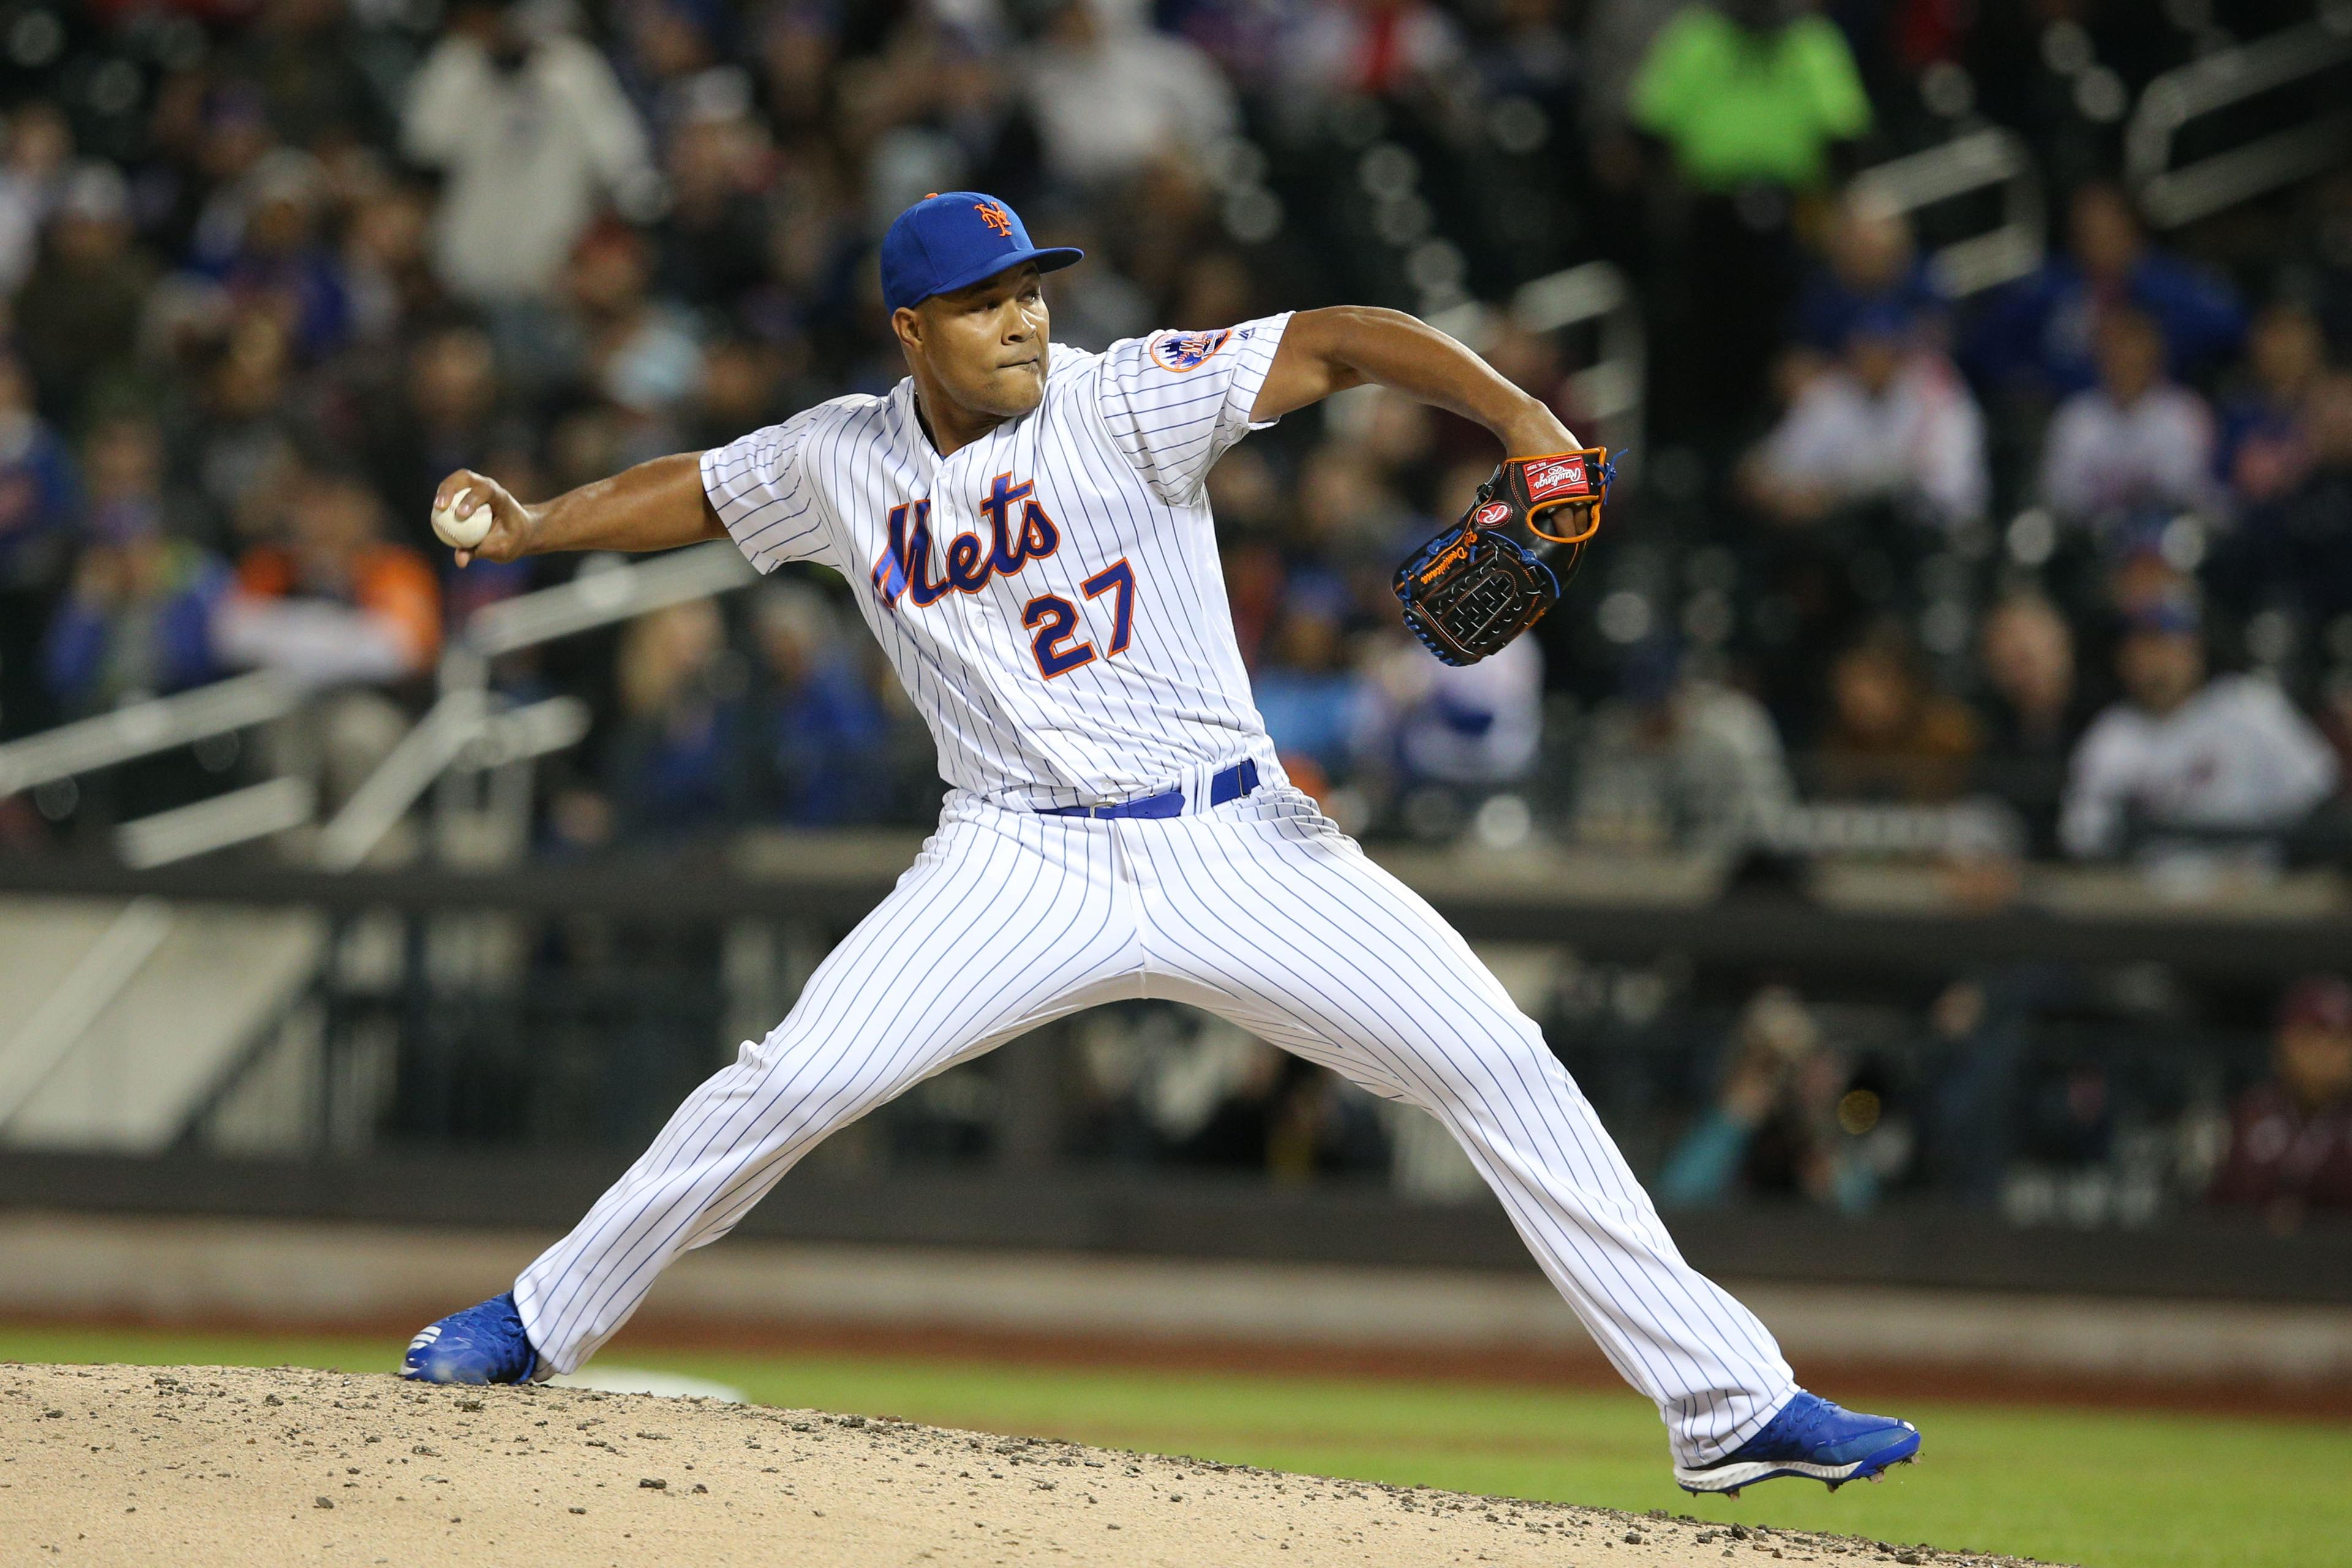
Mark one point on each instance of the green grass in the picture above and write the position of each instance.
(2105, 1488)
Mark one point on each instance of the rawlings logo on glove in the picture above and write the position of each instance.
(1471, 589)
(1551, 477)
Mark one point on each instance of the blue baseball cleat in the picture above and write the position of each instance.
(480, 1345)
(1810, 1436)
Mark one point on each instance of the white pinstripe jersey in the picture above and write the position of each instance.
(1050, 595)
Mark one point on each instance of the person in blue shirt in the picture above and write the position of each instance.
(675, 769)
(1313, 699)
(136, 622)
(822, 728)
(280, 264)
(2296, 553)
(140, 614)
(2264, 451)
(39, 491)
(1873, 271)
(40, 494)
(2035, 337)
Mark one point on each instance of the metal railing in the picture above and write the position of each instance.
(463, 732)
(604, 592)
(239, 816)
(597, 597)
(1964, 828)
(1981, 160)
(145, 729)
(41, 1042)
(2172, 197)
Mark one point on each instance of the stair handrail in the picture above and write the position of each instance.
(146, 727)
(2169, 197)
(1977, 160)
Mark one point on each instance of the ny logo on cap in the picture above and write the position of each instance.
(995, 218)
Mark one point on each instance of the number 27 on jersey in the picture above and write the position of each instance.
(1055, 620)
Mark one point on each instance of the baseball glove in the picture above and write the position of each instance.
(1471, 589)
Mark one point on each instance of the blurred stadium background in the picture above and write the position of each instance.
(1924, 834)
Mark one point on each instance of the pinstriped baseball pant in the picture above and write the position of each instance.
(1260, 911)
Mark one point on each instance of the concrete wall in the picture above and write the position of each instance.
(289, 1274)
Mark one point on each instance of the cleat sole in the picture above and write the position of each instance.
(1741, 1476)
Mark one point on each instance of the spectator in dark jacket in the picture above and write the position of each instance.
(2037, 335)
(2265, 446)
(2291, 1139)
(1892, 735)
(1873, 271)
(440, 415)
(676, 765)
(714, 248)
(37, 497)
(821, 724)
(77, 315)
(2033, 708)
(281, 266)
(39, 490)
(2298, 551)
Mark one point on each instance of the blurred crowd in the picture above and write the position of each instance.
(2052, 1098)
(2048, 1094)
(2076, 542)
(2080, 543)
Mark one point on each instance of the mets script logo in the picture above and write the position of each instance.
(1188, 350)
(1019, 532)
(995, 218)
(1556, 477)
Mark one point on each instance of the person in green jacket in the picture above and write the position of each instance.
(1752, 103)
(1756, 94)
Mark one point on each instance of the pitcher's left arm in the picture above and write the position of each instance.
(1340, 346)
(1471, 589)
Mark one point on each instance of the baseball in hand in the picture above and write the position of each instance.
(462, 532)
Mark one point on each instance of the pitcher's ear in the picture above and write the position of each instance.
(907, 322)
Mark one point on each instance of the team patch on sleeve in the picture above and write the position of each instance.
(1180, 352)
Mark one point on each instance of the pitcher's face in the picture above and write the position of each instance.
(986, 345)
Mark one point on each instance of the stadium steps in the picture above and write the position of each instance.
(86, 1064)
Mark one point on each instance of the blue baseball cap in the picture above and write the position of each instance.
(952, 240)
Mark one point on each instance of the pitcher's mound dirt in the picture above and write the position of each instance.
(198, 1467)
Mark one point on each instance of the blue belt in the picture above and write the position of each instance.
(1230, 785)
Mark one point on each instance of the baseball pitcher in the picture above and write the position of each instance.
(1027, 534)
